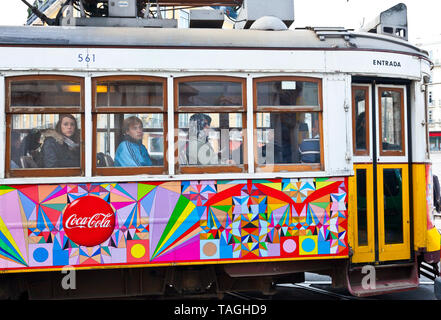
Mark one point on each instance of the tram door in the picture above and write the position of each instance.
(380, 187)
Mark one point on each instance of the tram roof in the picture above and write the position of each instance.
(202, 38)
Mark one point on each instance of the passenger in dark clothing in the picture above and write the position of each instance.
(310, 148)
(61, 146)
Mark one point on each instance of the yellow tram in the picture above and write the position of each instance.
(173, 161)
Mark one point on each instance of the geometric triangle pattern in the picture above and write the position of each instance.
(188, 221)
(278, 218)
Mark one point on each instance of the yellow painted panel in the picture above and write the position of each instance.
(433, 240)
(419, 205)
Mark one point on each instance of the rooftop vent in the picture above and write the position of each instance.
(269, 23)
(392, 22)
(252, 10)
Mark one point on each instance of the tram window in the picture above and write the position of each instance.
(44, 115)
(287, 93)
(210, 139)
(210, 93)
(211, 124)
(44, 93)
(288, 138)
(362, 221)
(392, 122)
(45, 141)
(393, 206)
(288, 124)
(360, 110)
(129, 93)
(130, 140)
(129, 125)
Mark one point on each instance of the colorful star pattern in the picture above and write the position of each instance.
(169, 222)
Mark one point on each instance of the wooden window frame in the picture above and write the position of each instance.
(122, 171)
(288, 109)
(42, 172)
(183, 169)
(391, 153)
(37, 110)
(354, 121)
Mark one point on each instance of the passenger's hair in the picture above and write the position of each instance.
(201, 120)
(76, 136)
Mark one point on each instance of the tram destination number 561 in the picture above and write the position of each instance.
(86, 57)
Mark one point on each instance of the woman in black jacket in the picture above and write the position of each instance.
(61, 147)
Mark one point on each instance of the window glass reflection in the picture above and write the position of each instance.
(288, 138)
(360, 120)
(210, 93)
(210, 139)
(45, 141)
(362, 208)
(287, 93)
(45, 93)
(393, 206)
(391, 117)
(129, 93)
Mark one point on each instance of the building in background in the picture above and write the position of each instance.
(433, 46)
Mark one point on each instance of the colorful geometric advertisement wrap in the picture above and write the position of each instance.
(178, 222)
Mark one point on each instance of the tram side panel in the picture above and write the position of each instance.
(188, 222)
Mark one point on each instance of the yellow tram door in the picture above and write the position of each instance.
(379, 197)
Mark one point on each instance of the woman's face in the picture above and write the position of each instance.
(206, 126)
(68, 127)
(135, 131)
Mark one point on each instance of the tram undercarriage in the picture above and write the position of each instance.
(207, 281)
(166, 282)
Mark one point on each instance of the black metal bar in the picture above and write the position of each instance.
(410, 162)
(39, 14)
(374, 166)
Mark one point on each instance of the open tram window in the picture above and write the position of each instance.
(288, 123)
(392, 122)
(210, 118)
(44, 116)
(129, 125)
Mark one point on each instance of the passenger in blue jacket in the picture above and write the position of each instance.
(131, 152)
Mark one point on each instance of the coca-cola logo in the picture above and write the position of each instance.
(89, 221)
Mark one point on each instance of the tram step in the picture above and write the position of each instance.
(382, 279)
